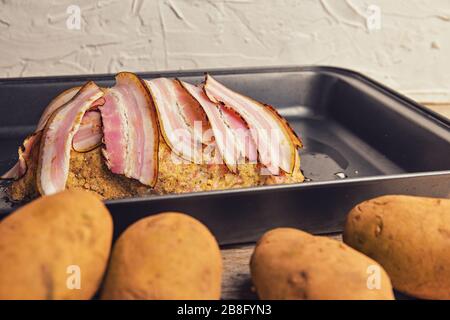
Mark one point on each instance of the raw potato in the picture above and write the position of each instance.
(292, 264)
(40, 241)
(166, 256)
(409, 237)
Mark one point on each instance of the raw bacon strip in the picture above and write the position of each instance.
(57, 102)
(115, 131)
(181, 118)
(56, 143)
(274, 142)
(20, 168)
(89, 135)
(224, 136)
(230, 131)
(244, 140)
(130, 130)
(295, 139)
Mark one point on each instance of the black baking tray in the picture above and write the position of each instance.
(361, 140)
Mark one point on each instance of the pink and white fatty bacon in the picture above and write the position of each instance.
(130, 130)
(181, 118)
(276, 144)
(229, 132)
(57, 136)
(90, 133)
(56, 103)
(129, 117)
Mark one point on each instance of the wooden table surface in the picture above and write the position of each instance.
(236, 282)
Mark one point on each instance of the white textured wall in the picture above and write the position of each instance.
(411, 52)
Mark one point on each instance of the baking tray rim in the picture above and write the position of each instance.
(265, 189)
(282, 187)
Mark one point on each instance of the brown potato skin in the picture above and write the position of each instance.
(40, 240)
(166, 256)
(290, 264)
(409, 237)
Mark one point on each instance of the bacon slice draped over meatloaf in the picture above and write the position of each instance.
(181, 118)
(56, 141)
(229, 132)
(126, 141)
(276, 145)
(131, 130)
(56, 103)
(90, 133)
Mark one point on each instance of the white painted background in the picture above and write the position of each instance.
(411, 52)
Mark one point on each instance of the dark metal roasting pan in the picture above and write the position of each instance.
(361, 140)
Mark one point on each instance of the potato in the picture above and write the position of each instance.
(292, 264)
(166, 256)
(56, 247)
(409, 237)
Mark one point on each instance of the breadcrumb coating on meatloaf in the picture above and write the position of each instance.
(89, 171)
